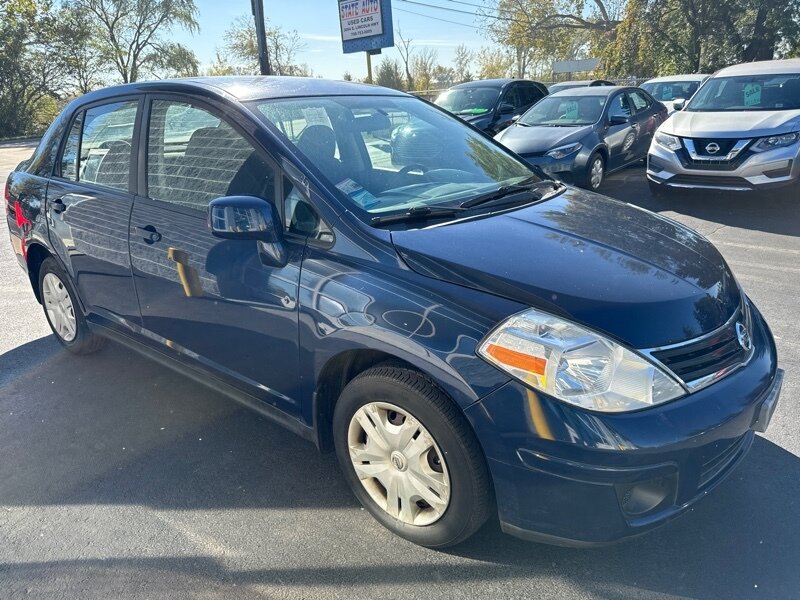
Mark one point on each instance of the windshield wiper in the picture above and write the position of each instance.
(418, 213)
(531, 184)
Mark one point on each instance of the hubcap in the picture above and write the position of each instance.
(597, 173)
(58, 305)
(399, 463)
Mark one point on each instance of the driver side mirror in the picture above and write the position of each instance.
(244, 218)
(618, 120)
(679, 103)
(506, 108)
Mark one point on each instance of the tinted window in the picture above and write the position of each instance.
(194, 156)
(512, 96)
(300, 217)
(69, 157)
(620, 107)
(98, 148)
(468, 100)
(640, 101)
(530, 94)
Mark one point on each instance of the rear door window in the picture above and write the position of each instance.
(99, 145)
(639, 100)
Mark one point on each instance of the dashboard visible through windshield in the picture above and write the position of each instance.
(393, 154)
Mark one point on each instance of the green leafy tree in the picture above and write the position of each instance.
(462, 62)
(131, 35)
(493, 63)
(389, 74)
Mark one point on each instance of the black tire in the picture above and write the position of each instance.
(585, 179)
(84, 342)
(471, 496)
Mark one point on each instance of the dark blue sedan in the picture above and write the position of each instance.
(472, 339)
(581, 135)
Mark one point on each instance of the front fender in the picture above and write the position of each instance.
(433, 325)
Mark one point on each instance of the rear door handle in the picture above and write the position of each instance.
(150, 234)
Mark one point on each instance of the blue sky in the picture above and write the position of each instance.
(317, 22)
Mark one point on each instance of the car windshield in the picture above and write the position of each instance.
(468, 100)
(565, 111)
(749, 92)
(391, 154)
(667, 91)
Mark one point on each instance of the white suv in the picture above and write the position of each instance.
(740, 132)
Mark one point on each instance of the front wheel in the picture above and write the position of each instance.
(410, 457)
(63, 312)
(595, 172)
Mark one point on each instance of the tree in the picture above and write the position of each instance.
(130, 34)
(493, 63)
(73, 36)
(461, 64)
(406, 54)
(389, 74)
(347, 76)
(241, 44)
(31, 74)
(422, 68)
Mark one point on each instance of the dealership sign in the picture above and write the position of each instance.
(366, 25)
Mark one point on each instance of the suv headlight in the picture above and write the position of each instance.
(775, 141)
(564, 151)
(669, 142)
(576, 365)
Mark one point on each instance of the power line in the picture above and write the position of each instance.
(463, 12)
(411, 12)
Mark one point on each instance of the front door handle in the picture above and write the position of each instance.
(150, 235)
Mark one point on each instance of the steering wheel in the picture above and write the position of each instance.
(413, 167)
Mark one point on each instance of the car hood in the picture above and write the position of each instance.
(732, 124)
(528, 140)
(641, 278)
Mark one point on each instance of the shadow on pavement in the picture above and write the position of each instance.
(156, 439)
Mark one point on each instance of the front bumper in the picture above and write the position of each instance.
(569, 476)
(563, 169)
(756, 171)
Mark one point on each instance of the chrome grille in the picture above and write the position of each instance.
(702, 361)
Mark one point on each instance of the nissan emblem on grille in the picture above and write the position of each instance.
(743, 336)
(712, 148)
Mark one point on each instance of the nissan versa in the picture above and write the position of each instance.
(470, 337)
(739, 132)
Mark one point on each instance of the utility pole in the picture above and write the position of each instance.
(261, 36)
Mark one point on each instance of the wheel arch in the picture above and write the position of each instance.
(36, 253)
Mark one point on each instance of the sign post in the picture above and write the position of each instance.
(261, 37)
(366, 27)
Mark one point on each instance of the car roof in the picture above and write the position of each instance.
(764, 67)
(678, 78)
(245, 88)
(597, 90)
(498, 83)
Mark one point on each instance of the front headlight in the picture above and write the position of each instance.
(564, 151)
(576, 365)
(669, 142)
(775, 141)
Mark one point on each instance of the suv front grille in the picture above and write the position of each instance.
(711, 357)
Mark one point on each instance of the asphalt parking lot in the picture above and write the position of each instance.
(120, 478)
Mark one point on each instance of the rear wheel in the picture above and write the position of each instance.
(410, 457)
(63, 312)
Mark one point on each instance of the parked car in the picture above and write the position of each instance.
(582, 134)
(491, 104)
(470, 337)
(671, 88)
(740, 132)
(569, 85)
